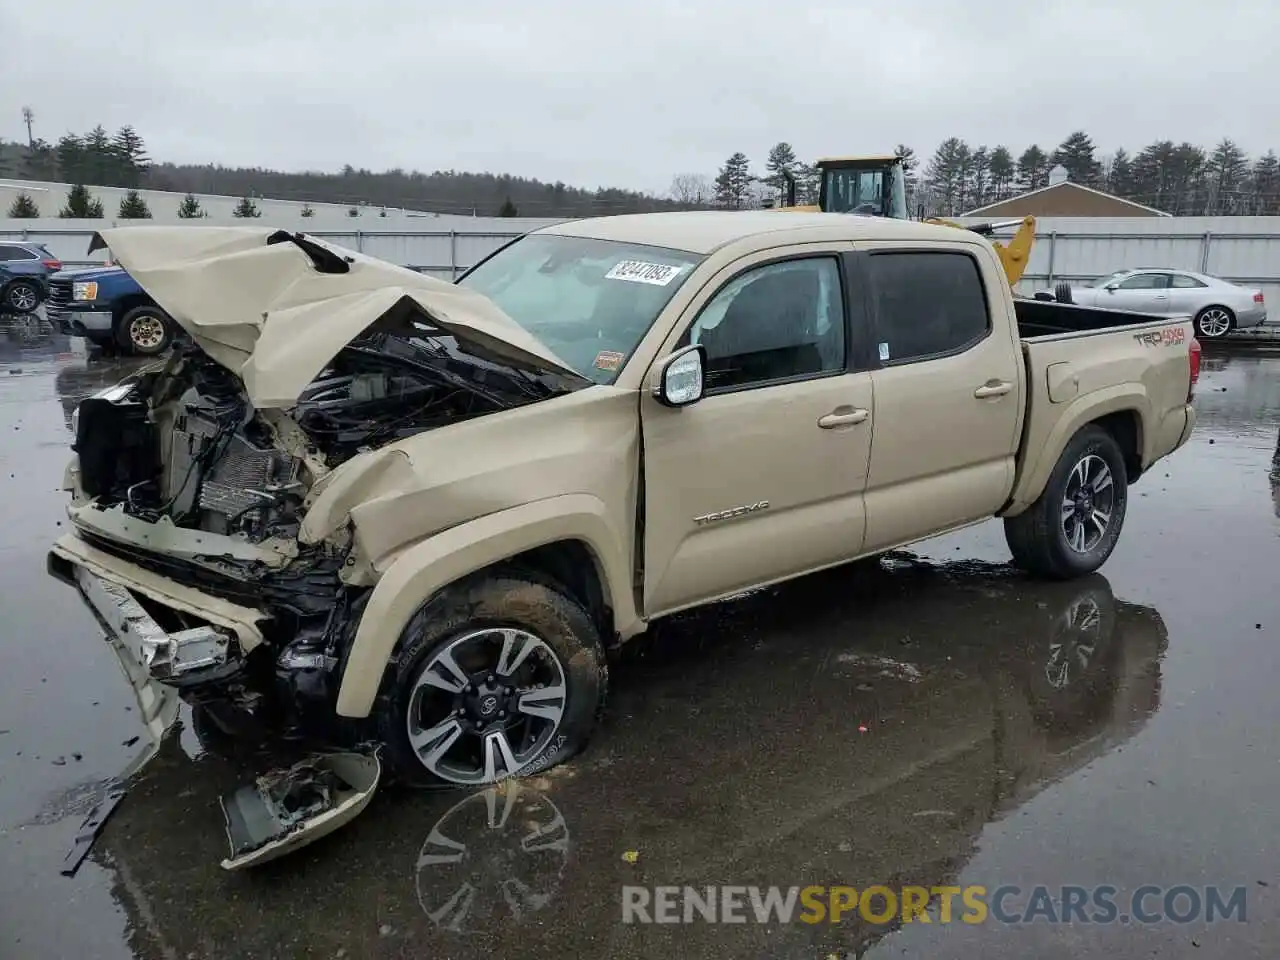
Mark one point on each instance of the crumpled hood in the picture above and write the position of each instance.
(275, 308)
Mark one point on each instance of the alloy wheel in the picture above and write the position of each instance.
(1215, 322)
(23, 297)
(486, 705)
(1087, 503)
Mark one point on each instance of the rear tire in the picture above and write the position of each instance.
(1063, 534)
(145, 331)
(1214, 323)
(476, 624)
(23, 296)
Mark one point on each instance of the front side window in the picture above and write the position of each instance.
(776, 322)
(588, 301)
(926, 304)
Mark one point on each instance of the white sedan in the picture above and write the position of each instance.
(1217, 306)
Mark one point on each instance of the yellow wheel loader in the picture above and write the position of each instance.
(875, 186)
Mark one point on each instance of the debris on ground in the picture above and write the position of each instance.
(884, 666)
(631, 856)
(92, 826)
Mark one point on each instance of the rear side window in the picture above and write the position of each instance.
(11, 252)
(1183, 282)
(926, 304)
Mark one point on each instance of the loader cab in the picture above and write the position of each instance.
(871, 186)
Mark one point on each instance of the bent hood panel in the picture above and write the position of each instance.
(265, 311)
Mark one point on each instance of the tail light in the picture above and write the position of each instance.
(1257, 297)
(1194, 359)
(54, 265)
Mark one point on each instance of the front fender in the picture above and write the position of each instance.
(426, 567)
(1041, 453)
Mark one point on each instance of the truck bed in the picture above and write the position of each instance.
(1048, 318)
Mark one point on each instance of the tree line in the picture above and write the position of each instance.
(1177, 178)
(1181, 179)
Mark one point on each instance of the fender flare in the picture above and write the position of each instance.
(1126, 397)
(426, 567)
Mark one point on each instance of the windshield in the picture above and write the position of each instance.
(589, 301)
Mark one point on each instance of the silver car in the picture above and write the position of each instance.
(1217, 306)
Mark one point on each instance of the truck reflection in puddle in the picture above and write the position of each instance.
(860, 726)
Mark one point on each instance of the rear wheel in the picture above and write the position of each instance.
(499, 676)
(145, 331)
(23, 296)
(1073, 526)
(1214, 323)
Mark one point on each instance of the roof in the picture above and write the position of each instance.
(703, 231)
(1063, 185)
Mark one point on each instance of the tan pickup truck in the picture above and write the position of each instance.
(367, 506)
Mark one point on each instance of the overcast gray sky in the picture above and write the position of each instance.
(598, 93)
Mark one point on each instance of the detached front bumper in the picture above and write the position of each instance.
(163, 631)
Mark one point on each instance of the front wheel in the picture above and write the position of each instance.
(496, 677)
(1073, 526)
(145, 331)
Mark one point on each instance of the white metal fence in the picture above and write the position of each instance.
(1243, 250)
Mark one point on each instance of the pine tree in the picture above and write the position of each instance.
(733, 183)
(781, 160)
(80, 205)
(1002, 171)
(245, 209)
(508, 209)
(130, 155)
(1266, 185)
(945, 175)
(102, 167)
(189, 208)
(71, 158)
(1228, 175)
(1033, 168)
(979, 178)
(133, 207)
(1076, 154)
(307, 211)
(23, 208)
(1120, 176)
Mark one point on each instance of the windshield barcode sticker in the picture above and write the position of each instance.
(637, 271)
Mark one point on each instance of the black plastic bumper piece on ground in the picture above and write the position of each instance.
(91, 827)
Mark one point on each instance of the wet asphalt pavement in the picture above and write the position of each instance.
(935, 719)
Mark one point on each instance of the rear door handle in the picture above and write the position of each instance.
(843, 419)
(993, 388)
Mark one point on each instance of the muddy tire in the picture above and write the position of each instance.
(1072, 528)
(144, 331)
(497, 676)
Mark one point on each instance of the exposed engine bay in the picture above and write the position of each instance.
(183, 442)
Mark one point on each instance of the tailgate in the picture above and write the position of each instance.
(1073, 378)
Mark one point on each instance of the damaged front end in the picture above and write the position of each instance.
(187, 506)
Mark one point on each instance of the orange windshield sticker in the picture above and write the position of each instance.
(609, 360)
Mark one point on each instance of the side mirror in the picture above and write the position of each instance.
(679, 379)
(1111, 287)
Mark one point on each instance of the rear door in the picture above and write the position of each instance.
(762, 478)
(948, 390)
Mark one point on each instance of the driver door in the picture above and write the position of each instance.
(761, 479)
(1143, 292)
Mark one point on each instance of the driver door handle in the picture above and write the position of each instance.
(843, 417)
(993, 388)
